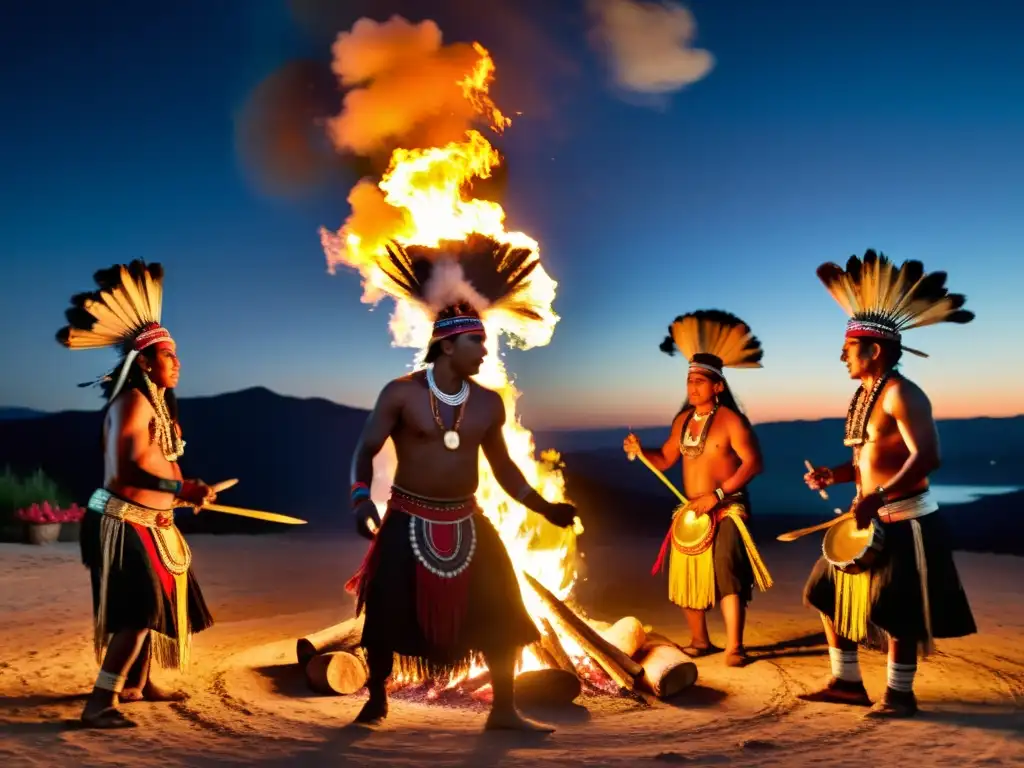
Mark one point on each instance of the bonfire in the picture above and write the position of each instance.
(425, 196)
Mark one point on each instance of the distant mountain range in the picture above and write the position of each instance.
(292, 456)
(18, 413)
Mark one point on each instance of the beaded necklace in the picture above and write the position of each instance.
(166, 435)
(859, 412)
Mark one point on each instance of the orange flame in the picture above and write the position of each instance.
(421, 200)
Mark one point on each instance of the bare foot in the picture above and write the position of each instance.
(373, 712)
(153, 692)
(736, 658)
(510, 720)
(130, 695)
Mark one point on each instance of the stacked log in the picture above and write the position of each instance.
(331, 659)
(632, 656)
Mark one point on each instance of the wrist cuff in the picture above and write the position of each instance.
(172, 486)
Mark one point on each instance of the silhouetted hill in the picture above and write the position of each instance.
(292, 456)
(19, 413)
(976, 452)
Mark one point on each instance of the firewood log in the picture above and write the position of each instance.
(542, 654)
(475, 683)
(338, 673)
(618, 665)
(549, 640)
(667, 670)
(338, 637)
(547, 687)
(627, 634)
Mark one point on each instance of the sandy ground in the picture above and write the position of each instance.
(249, 705)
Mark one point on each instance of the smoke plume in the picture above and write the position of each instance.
(648, 44)
(403, 87)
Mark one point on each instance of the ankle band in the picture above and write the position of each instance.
(901, 677)
(108, 681)
(845, 665)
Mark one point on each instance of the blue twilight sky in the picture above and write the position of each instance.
(823, 129)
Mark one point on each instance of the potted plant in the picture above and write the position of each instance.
(44, 520)
(19, 494)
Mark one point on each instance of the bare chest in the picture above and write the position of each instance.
(701, 439)
(425, 419)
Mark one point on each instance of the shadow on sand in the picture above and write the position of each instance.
(813, 644)
(287, 680)
(41, 713)
(989, 717)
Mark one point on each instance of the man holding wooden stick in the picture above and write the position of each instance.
(437, 584)
(720, 456)
(147, 603)
(913, 594)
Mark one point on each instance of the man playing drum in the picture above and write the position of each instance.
(912, 593)
(712, 555)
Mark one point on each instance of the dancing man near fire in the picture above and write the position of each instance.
(913, 593)
(146, 602)
(712, 558)
(437, 584)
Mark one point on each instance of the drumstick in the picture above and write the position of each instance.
(801, 532)
(810, 468)
(658, 474)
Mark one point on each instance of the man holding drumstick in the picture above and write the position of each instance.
(720, 457)
(914, 594)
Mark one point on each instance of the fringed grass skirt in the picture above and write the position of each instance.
(730, 566)
(137, 592)
(493, 616)
(889, 600)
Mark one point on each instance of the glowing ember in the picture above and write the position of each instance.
(422, 199)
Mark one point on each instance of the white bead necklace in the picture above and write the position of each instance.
(453, 400)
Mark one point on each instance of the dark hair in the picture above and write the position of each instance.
(433, 352)
(134, 380)
(891, 351)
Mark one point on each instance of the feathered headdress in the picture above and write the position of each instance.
(124, 312)
(458, 282)
(712, 340)
(883, 300)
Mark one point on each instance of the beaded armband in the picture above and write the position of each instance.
(720, 494)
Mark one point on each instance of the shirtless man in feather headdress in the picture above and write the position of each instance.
(913, 594)
(146, 602)
(437, 584)
(720, 456)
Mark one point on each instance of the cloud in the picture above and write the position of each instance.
(648, 44)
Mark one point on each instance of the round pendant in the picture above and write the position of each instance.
(451, 440)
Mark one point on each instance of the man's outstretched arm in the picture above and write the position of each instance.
(512, 480)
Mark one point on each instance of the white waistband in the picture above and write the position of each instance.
(908, 509)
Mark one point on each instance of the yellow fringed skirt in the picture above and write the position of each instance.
(692, 579)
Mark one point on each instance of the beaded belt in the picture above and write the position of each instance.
(442, 533)
(172, 548)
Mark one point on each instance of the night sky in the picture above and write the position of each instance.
(821, 130)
